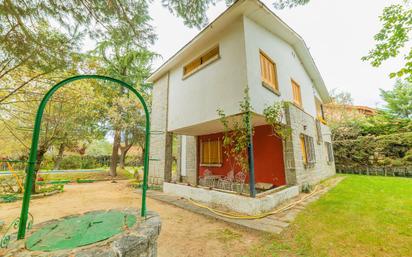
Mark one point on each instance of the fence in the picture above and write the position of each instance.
(393, 171)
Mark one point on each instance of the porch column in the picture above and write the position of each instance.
(251, 157)
(160, 168)
(191, 159)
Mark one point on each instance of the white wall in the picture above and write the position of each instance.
(219, 85)
(288, 67)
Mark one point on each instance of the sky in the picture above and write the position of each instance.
(337, 32)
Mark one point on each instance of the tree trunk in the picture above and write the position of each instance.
(122, 157)
(123, 154)
(59, 157)
(40, 154)
(115, 154)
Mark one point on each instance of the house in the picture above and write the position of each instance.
(246, 46)
(340, 112)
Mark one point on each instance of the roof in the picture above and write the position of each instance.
(365, 109)
(262, 15)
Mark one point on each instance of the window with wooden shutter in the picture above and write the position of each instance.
(268, 73)
(320, 115)
(201, 61)
(297, 96)
(211, 152)
(308, 150)
(318, 131)
(303, 149)
(329, 149)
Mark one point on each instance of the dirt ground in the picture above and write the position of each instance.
(184, 234)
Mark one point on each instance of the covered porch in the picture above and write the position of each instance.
(203, 160)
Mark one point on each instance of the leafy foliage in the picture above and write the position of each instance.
(341, 97)
(192, 12)
(282, 4)
(274, 115)
(399, 100)
(378, 140)
(392, 38)
(99, 147)
(237, 133)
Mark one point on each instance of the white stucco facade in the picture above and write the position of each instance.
(288, 65)
(186, 105)
(196, 98)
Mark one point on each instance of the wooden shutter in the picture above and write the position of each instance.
(303, 148)
(297, 97)
(319, 112)
(329, 148)
(319, 131)
(268, 72)
(198, 62)
(210, 55)
(308, 150)
(192, 66)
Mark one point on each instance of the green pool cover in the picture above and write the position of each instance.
(78, 231)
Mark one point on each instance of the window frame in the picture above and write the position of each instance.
(202, 64)
(267, 84)
(219, 154)
(329, 150)
(320, 113)
(318, 131)
(300, 103)
(308, 150)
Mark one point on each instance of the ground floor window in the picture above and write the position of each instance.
(211, 152)
(330, 151)
(308, 150)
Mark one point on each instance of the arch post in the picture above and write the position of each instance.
(35, 142)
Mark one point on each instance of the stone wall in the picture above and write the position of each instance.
(137, 241)
(296, 172)
(160, 165)
(191, 160)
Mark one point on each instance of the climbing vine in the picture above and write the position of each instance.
(274, 115)
(236, 134)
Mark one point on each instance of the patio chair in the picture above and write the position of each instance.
(240, 179)
(226, 182)
(206, 180)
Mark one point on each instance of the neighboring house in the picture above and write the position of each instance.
(246, 46)
(339, 112)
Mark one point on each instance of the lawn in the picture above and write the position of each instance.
(362, 216)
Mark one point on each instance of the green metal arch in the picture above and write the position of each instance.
(35, 142)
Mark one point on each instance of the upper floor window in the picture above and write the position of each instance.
(297, 96)
(201, 61)
(268, 73)
(211, 152)
(319, 111)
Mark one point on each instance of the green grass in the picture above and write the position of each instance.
(225, 235)
(73, 176)
(362, 216)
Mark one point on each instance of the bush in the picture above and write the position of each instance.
(393, 149)
(77, 162)
(50, 188)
